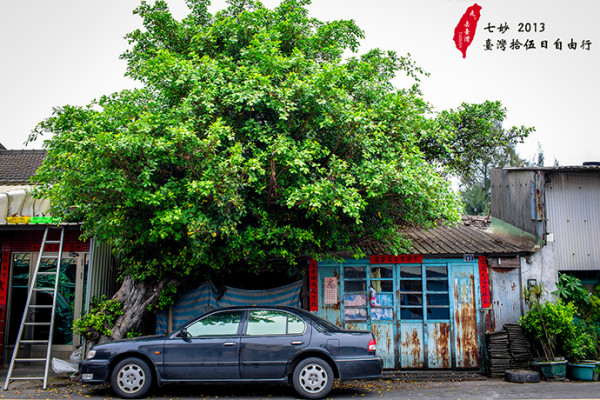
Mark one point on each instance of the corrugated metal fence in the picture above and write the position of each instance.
(573, 206)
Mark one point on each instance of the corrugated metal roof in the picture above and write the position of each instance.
(564, 168)
(456, 240)
(459, 239)
(17, 166)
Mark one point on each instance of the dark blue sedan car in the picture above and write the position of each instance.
(241, 344)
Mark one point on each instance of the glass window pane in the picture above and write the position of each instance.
(355, 314)
(411, 299)
(411, 313)
(355, 286)
(220, 324)
(267, 322)
(383, 286)
(436, 272)
(437, 286)
(438, 313)
(355, 272)
(382, 314)
(355, 300)
(48, 264)
(410, 272)
(21, 259)
(20, 284)
(295, 325)
(21, 262)
(411, 286)
(382, 300)
(381, 272)
(65, 301)
(438, 299)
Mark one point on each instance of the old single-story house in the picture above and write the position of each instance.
(429, 309)
(85, 267)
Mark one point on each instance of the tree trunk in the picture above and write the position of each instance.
(135, 297)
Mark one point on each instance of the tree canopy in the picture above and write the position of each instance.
(474, 142)
(252, 139)
(257, 136)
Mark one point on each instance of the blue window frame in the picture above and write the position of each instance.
(370, 292)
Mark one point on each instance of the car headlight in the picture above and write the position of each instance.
(90, 354)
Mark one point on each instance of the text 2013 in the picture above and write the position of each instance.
(532, 27)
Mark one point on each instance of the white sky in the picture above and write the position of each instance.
(56, 52)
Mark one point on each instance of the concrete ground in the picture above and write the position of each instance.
(450, 385)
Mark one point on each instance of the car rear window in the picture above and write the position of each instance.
(273, 322)
(320, 324)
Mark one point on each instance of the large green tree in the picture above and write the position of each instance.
(251, 140)
(473, 140)
(475, 186)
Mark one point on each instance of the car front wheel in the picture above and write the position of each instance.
(131, 378)
(313, 378)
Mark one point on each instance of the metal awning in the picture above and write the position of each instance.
(17, 205)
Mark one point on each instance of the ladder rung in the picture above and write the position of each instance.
(48, 273)
(51, 256)
(25, 378)
(29, 341)
(29, 359)
(37, 323)
(53, 241)
(44, 289)
(40, 306)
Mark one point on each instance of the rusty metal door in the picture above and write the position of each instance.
(424, 317)
(506, 297)
(466, 338)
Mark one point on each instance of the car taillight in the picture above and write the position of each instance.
(372, 346)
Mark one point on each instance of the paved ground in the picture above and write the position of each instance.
(409, 386)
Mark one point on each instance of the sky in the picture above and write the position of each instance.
(57, 52)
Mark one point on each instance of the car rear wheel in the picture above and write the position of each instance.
(313, 378)
(131, 378)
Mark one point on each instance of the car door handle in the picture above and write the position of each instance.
(297, 342)
(229, 344)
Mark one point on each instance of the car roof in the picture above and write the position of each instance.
(259, 307)
(316, 321)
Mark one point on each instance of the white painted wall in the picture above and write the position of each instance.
(543, 267)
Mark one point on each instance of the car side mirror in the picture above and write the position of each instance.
(183, 333)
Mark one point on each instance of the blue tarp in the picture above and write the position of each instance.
(205, 298)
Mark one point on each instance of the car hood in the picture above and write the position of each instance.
(139, 339)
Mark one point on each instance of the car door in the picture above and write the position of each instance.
(271, 339)
(210, 350)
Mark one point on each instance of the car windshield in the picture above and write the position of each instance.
(320, 324)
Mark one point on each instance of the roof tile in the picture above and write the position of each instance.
(18, 166)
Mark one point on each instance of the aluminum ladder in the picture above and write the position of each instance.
(30, 320)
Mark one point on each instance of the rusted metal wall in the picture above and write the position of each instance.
(331, 312)
(466, 337)
(511, 198)
(438, 345)
(412, 354)
(386, 343)
(506, 297)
